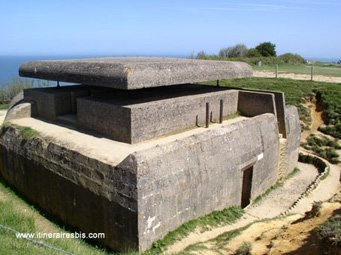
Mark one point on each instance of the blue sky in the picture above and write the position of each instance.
(102, 27)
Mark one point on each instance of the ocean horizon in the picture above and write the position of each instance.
(9, 65)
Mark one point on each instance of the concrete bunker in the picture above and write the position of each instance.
(118, 147)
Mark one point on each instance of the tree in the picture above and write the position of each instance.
(253, 53)
(267, 49)
(239, 50)
(201, 55)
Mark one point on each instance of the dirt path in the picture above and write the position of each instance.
(273, 205)
(316, 121)
(289, 235)
(297, 76)
(282, 198)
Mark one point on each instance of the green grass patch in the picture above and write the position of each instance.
(224, 238)
(323, 147)
(267, 192)
(4, 106)
(292, 173)
(216, 218)
(26, 132)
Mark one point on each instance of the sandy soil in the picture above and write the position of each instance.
(297, 76)
(289, 235)
(2, 116)
(316, 121)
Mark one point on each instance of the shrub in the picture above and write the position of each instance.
(244, 249)
(330, 231)
(239, 50)
(16, 85)
(323, 147)
(251, 53)
(291, 58)
(267, 49)
(201, 55)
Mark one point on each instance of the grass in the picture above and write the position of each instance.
(216, 218)
(26, 132)
(328, 97)
(319, 69)
(223, 239)
(4, 106)
(323, 147)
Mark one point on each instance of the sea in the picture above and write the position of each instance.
(9, 65)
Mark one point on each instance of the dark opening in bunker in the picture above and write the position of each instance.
(247, 186)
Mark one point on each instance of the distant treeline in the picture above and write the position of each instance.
(264, 52)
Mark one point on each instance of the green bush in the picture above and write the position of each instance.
(251, 53)
(291, 58)
(318, 163)
(267, 49)
(244, 249)
(333, 130)
(323, 147)
(330, 231)
(239, 50)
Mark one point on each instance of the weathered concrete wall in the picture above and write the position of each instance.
(280, 106)
(104, 117)
(251, 103)
(152, 191)
(82, 192)
(50, 103)
(191, 177)
(293, 128)
(161, 117)
(135, 122)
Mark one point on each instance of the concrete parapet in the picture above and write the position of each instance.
(293, 135)
(143, 118)
(252, 103)
(50, 103)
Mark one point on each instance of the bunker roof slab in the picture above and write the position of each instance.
(134, 72)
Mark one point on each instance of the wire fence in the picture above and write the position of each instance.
(311, 71)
